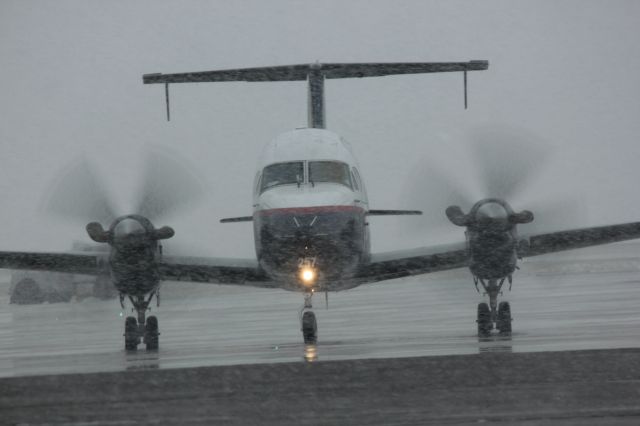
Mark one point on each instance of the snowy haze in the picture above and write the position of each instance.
(563, 74)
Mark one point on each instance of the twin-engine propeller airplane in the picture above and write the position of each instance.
(310, 221)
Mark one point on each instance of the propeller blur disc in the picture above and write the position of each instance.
(168, 186)
(79, 195)
(489, 162)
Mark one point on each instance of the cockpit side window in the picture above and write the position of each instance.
(356, 184)
(359, 180)
(282, 174)
(256, 182)
(330, 171)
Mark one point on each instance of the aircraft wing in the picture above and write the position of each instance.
(580, 238)
(207, 270)
(383, 266)
(215, 271)
(89, 264)
(397, 264)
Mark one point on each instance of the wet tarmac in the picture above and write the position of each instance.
(585, 299)
(537, 388)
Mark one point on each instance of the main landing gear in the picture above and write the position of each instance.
(308, 323)
(139, 330)
(493, 315)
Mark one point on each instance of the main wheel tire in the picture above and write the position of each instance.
(309, 328)
(484, 320)
(504, 318)
(130, 334)
(151, 334)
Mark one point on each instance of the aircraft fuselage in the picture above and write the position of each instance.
(310, 207)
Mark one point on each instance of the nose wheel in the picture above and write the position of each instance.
(308, 323)
(309, 328)
(141, 330)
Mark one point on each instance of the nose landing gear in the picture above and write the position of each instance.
(492, 315)
(308, 323)
(141, 330)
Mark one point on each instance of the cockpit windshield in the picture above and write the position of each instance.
(282, 174)
(329, 171)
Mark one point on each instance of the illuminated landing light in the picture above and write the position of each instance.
(308, 276)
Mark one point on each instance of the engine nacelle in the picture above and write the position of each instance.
(492, 243)
(492, 255)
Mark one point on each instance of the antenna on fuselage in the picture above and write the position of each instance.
(315, 74)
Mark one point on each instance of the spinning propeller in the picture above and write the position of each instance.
(167, 187)
(502, 166)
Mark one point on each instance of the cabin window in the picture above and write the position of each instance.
(282, 174)
(329, 171)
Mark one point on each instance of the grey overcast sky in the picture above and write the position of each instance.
(562, 73)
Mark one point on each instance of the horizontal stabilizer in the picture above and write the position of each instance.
(315, 75)
(393, 212)
(301, 71)
(237, 219)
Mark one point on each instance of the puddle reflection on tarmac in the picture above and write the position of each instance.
(310, 353)
(142, 360)
(495, 343)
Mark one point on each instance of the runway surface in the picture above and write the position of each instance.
(542, 388)
(585, 299)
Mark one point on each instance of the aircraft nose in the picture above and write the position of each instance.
(288, 197)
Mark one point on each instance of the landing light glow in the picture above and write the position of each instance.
(307, 275)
